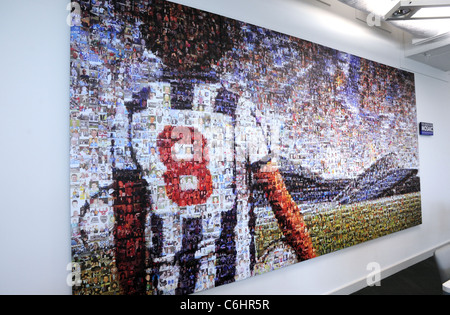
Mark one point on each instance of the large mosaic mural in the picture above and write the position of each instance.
(206, 150)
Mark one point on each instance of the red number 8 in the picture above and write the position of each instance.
(176, 168)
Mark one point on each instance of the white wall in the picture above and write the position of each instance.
(34, 134)
(34, 186)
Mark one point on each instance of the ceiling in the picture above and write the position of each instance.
(435, 52)
(426, 41)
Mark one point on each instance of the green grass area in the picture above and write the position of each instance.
(333, 227)
(336, 227)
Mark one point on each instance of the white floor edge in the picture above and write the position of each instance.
(385, 272)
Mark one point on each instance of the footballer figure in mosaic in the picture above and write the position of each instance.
(187, 147)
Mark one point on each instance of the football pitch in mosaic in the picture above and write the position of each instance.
(205, 150)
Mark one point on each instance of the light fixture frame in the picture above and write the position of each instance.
(413, 7)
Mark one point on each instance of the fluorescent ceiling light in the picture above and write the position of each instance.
(419, 10)
(419, 27)
(432, 13)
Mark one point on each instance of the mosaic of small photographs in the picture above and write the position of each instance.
(205, 150)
